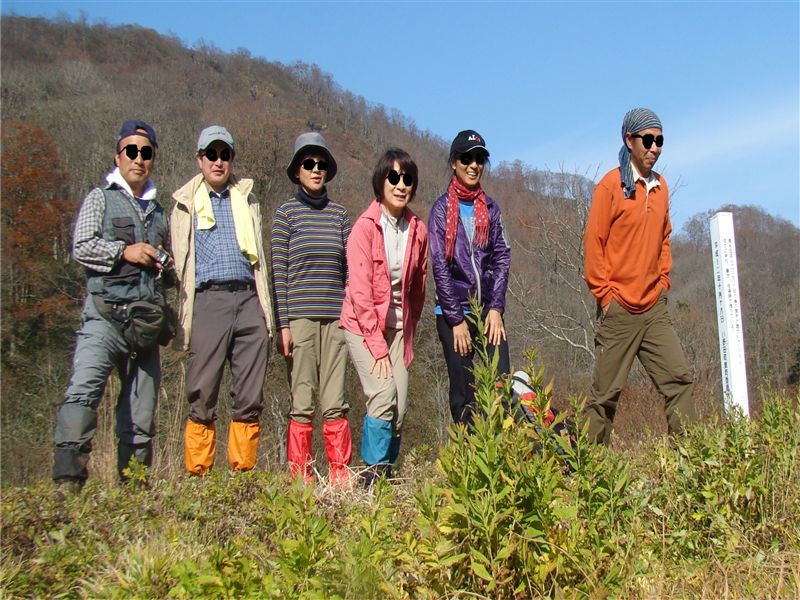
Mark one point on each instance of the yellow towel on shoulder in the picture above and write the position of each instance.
(245, 235)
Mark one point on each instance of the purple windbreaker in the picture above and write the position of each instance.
(457, 279)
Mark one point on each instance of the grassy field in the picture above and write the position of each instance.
(505, 511)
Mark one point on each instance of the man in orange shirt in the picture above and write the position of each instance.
(627, 264)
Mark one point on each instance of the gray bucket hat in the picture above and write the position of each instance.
(308, 143)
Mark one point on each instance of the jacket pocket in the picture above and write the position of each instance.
(124, 229)
(381, 285)
(124, 275)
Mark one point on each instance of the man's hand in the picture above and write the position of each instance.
(382, 368)
(141, 254)
(285, 342)
(494, 329)
(462, 341)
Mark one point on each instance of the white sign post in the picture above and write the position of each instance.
(729, 313)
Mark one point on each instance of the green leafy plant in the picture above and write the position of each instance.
(729, 484)
(712, 512)
(508, 520)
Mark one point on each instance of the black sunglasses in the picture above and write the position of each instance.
(212, 156)
(394, 178)
(132, 151)
(310, 163)
(468, 159)
(649, 138)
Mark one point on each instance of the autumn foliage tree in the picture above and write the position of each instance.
(39, 287)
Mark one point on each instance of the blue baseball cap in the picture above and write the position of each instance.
(137, 127)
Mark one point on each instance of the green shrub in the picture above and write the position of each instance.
(725, 487)
(713, 512)
(508, 520)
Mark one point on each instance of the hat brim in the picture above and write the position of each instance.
(294, 165)
(216, 139)
(478, 147)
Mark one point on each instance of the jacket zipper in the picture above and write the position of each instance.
(471, 245)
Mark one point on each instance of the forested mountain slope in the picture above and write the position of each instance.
(67, 86)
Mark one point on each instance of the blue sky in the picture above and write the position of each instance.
(544, 82)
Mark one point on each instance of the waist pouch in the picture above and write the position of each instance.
(141, 323)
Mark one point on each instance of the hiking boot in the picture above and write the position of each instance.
(68, 486)
(370, 476)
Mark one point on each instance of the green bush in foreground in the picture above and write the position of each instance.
(509, 519)
(498, 516)
(728, 488)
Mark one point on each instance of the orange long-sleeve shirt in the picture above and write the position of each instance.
(627, 255)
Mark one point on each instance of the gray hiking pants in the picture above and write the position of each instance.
(100, 348)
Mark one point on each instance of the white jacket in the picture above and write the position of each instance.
(182, 233)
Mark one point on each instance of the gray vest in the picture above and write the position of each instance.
(122, 221)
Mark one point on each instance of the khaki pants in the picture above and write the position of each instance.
(318, 366)
(387, 399)
(622, 336)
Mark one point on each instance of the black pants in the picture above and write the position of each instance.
(459, 369)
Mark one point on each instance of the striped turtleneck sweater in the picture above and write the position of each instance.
(309, 265)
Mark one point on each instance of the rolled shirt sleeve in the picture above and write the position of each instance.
(88, 247)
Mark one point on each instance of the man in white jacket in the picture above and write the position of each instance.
(225, 310)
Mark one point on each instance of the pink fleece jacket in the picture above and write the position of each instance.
(369, 289)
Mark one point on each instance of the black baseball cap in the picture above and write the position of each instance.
(137, 127)
(467, 141)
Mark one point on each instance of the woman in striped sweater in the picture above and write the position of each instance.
(309, 271)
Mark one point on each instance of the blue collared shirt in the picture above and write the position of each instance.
(218, 257)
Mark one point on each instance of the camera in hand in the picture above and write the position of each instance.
(162, 256)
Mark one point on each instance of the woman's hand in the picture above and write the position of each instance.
(382, 368)
(462, 341)
(493, 328)
(285, 342)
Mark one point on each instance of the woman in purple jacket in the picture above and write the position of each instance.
(471, 257)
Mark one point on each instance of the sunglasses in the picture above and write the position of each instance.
(212, 155)
(649, 138)
(132, 151)
(468, 159)
(310, 163)
(394, 178)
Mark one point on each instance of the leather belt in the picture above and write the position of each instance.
(226, 286)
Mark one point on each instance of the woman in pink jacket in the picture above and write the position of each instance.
(387, 256)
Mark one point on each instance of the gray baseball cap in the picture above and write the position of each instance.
(213, 134)
(309, 143)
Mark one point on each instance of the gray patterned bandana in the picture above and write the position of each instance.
(635, 120)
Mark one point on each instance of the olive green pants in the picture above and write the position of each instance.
(620, 337)
(318, 368)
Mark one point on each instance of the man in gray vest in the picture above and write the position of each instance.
(119, 237)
